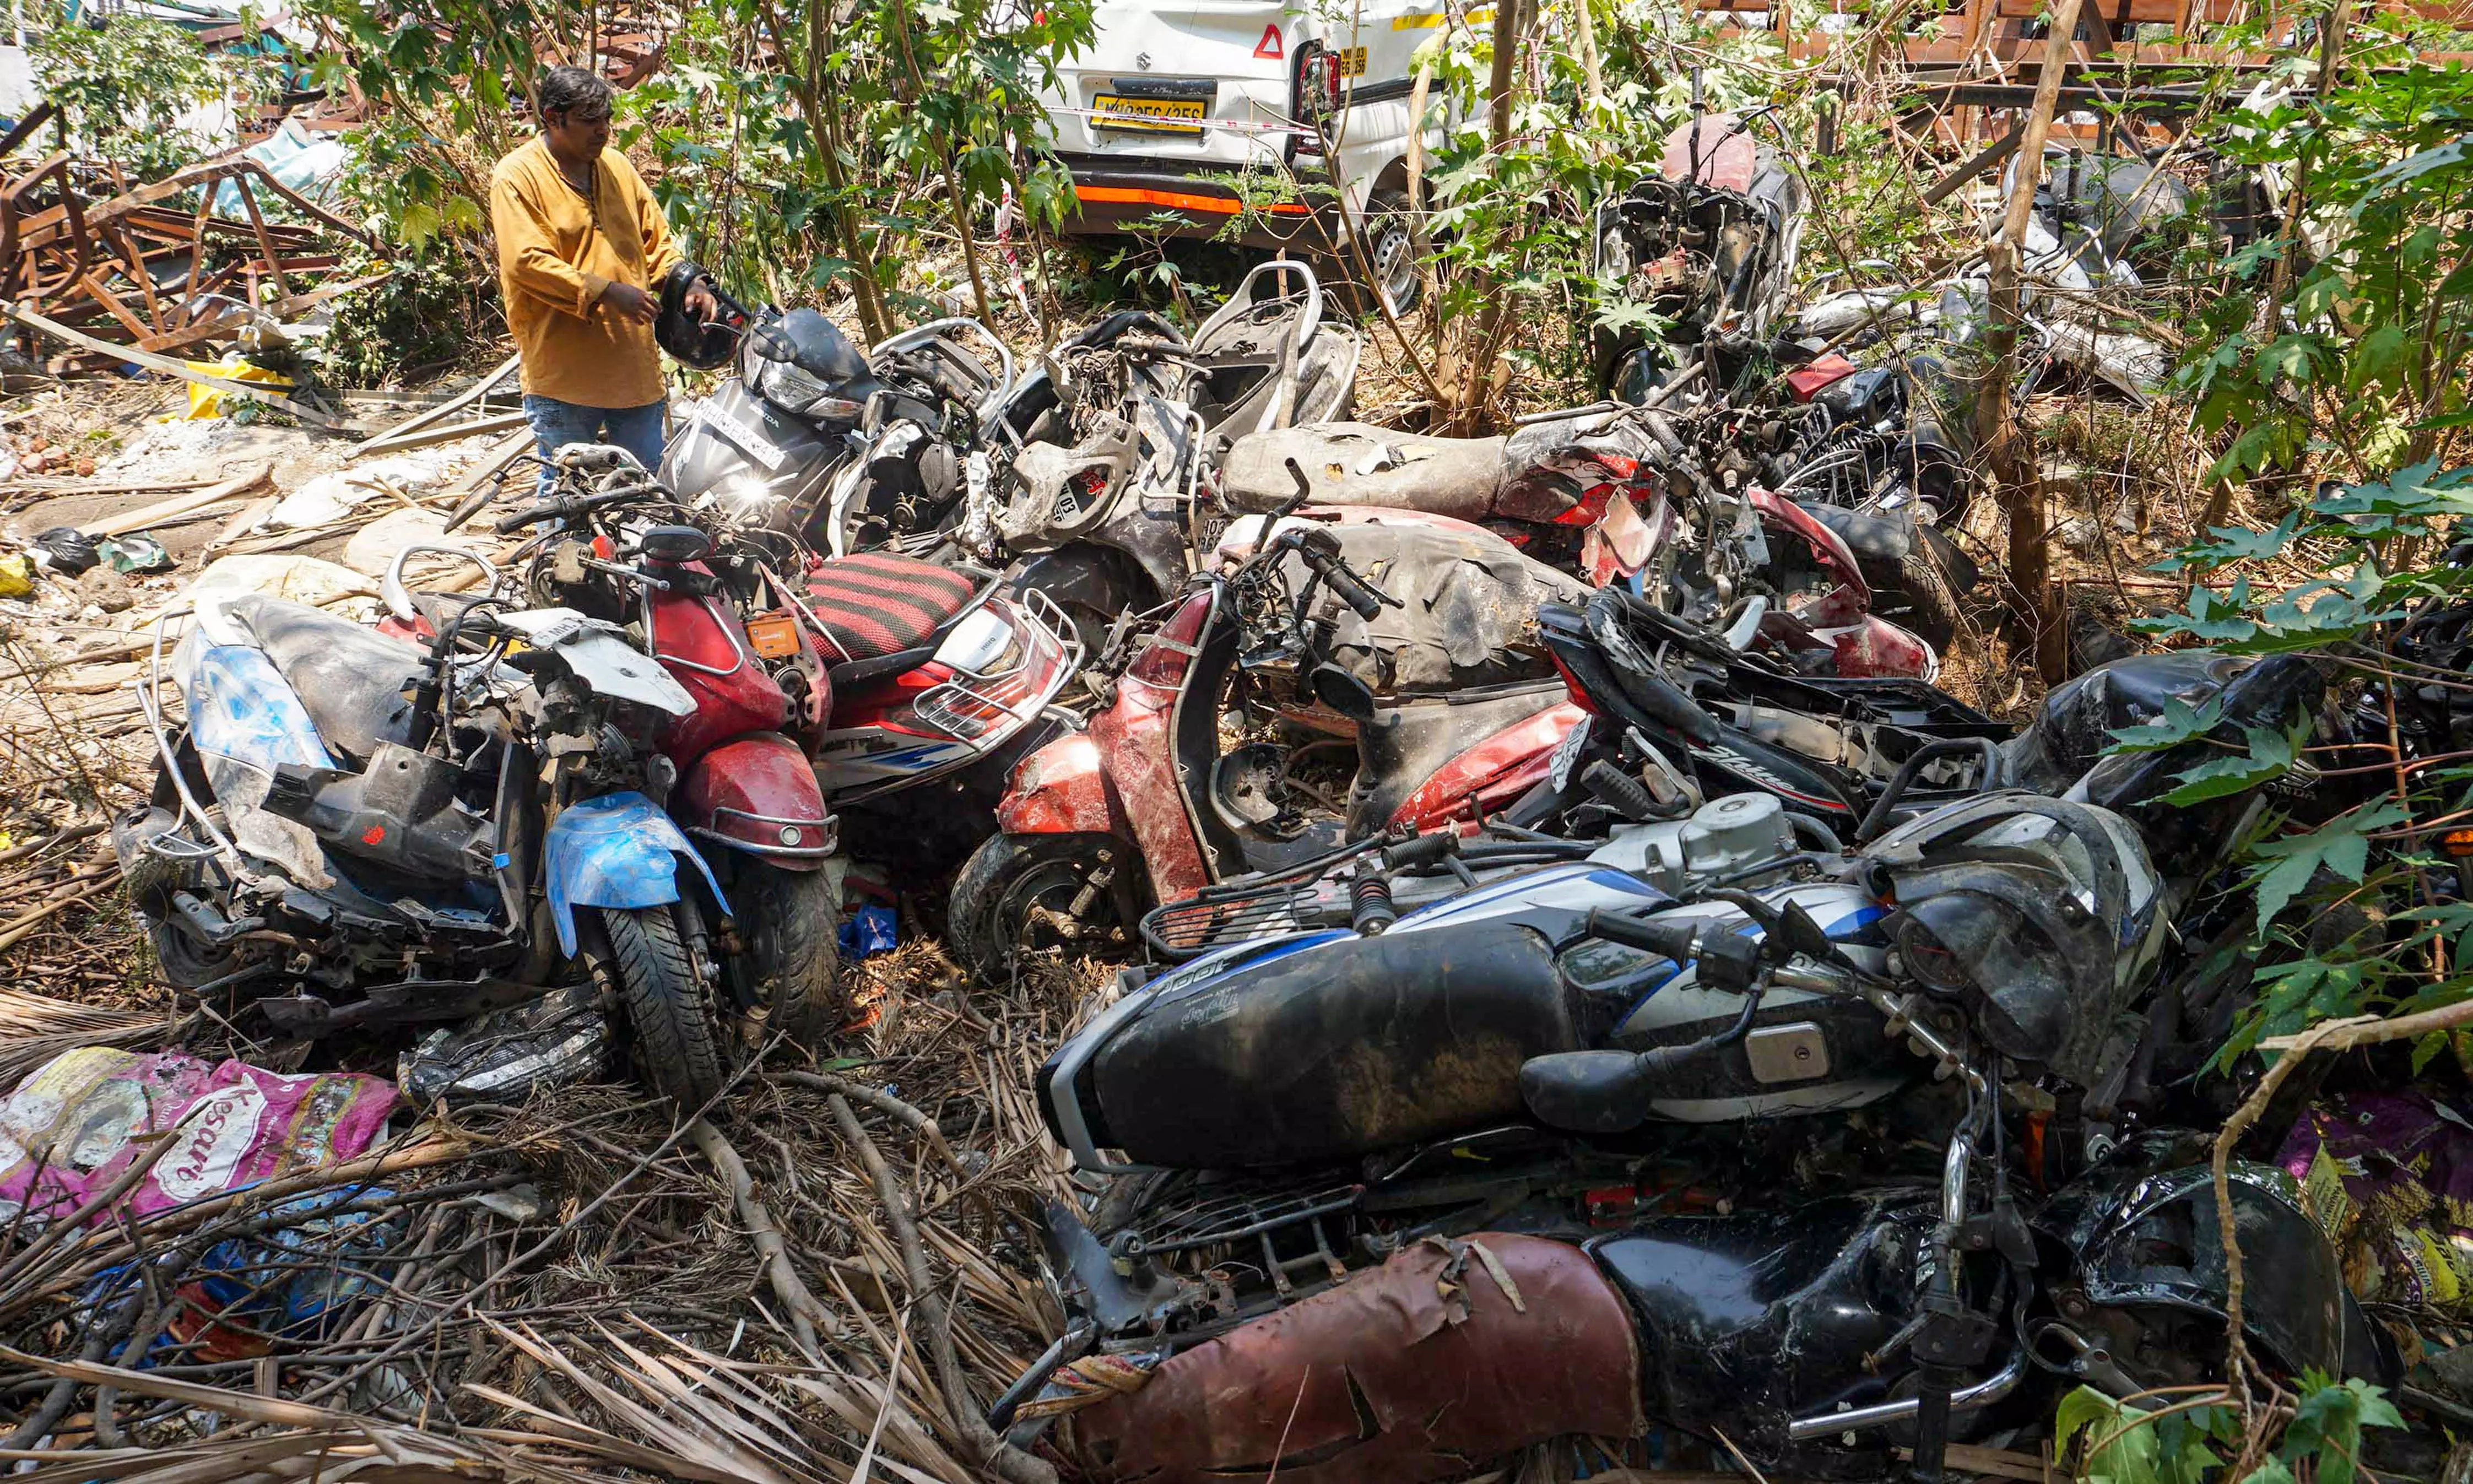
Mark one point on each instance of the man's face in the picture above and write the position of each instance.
(580, 132)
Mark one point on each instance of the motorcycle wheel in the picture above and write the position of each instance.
(1002, 901)
(678, 1041)
(185, 961)
(792, 966)
(149, 883)
(1926, 594)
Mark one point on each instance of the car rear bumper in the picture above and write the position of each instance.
(1116, 193)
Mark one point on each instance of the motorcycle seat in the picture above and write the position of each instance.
(350, 679)
(874, 605)
(1352, 464)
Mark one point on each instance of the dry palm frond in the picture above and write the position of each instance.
(35, 1028)
(321, 1444)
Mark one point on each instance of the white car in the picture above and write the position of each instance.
(1174, 96)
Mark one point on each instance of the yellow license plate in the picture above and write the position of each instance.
(1150, 115)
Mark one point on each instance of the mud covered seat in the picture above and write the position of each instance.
(874, 606)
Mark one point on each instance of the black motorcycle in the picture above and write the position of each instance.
(1458, 1155)
(853, 450)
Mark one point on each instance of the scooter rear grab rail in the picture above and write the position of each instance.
(919, 335)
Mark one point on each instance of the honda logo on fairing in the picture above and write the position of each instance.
(1728, 758)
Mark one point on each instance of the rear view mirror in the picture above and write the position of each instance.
(1343, 692)
(674, 544)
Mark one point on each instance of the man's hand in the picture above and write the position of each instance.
(630, 302)
(701, 303)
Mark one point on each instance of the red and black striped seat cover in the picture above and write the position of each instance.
(879, 605)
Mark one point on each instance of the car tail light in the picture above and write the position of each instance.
(1319, 83)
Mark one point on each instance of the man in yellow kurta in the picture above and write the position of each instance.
(582, 252)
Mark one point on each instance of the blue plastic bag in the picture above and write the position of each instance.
(869, 932)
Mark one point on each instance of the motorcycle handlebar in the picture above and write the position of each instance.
(1428, 850)
(1678, 940)
(1353, 590)
(560, 506)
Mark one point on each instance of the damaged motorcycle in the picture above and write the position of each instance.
(361, 829)
(1640, 1148)
(1300, 630)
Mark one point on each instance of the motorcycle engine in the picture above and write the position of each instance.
(911, 480)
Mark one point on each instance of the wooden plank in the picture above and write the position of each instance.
(397, 442)
(1973, 166)
(265, 243)
(254, 392)
(462, 399)
(180, 505)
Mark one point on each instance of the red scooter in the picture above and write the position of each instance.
(1147, 806)
(726, 773)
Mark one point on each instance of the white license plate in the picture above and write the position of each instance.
(755, 446)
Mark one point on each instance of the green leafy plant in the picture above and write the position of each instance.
(122, 83)
(2342, 336)
(2194, 1441)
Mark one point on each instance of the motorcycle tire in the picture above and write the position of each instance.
(789, 922)
(678, 1040)
(990, 917)
(149, 883)
(1924, 597)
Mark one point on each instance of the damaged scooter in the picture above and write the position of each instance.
(359, 829)
(1291, 631)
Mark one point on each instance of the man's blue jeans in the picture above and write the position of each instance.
(557, 424)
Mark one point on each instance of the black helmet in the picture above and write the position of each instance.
(689, 340)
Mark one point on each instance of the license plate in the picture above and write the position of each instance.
(1150, 115)
(755, 446)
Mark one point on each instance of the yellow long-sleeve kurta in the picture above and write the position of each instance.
(556, 255)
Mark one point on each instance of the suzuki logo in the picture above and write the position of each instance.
(1143, 59)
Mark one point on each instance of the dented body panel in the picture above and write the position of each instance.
(1421, 1370)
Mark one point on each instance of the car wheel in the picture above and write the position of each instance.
(1391, 246)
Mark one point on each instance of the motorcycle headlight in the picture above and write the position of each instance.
(784, 385)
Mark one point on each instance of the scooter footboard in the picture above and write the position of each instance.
(616, 850)
(1445, 1355)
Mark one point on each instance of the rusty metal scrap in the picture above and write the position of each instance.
(1448, 1355)
(155, 266)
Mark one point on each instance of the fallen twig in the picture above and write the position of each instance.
(807, 1313)
(884, 1102)
(990, 1450)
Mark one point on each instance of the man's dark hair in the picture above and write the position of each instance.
(570, 90)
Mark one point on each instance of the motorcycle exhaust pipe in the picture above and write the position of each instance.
(1863, 1419)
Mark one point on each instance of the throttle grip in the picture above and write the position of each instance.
(1678, 940)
